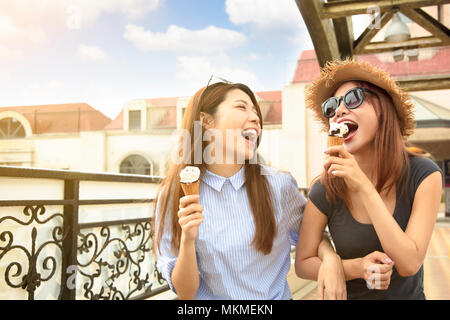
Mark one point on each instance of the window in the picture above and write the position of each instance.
(11, 128)
(134, 120)
(136, 164)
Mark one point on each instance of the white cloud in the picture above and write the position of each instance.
(86, 52)
(42, 93)
(34, 21)
(180, 40)
(253, 57)
(302, 39)
(264, 14)
(6, 25)
(271, 19)
(13, 32)
(133, 9)
(195, 71)
(8, 53)
(5, 75)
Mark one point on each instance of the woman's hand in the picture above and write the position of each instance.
(377, 270)
(345, 166)
(331, 279)
(190, 216)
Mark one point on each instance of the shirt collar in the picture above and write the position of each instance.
(216, 182)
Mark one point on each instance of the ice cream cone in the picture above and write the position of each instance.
(335, 141)
(190, 180)
(190, 188)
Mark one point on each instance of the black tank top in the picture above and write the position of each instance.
(355, 240)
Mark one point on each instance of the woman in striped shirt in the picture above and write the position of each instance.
(233, 240)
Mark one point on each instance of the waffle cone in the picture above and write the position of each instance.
(190, 188)
(335, 141)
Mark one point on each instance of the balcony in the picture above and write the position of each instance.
(72, 235)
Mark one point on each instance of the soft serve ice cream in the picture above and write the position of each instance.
(189, 179)
(189, 174)
(338, 129)
(337, 133)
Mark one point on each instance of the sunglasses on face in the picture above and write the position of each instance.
(352, 99)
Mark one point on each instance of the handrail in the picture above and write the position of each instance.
(74, 239)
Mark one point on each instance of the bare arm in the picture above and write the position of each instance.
(307, 261)
(315, 257)
(407, 248)
(185, 277)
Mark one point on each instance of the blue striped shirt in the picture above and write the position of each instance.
(229, 267)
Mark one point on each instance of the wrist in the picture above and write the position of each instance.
(331, 257)
(353, 269)
(186, 240)
(366, 188)
(359, 268)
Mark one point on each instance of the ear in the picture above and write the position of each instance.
(206, 120)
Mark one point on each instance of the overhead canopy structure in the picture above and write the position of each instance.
(330, 26)
(432, 128)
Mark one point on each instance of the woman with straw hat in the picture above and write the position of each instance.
(379, 199)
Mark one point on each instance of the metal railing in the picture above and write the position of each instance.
(48, 250)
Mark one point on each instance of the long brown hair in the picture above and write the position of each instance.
(207, 100)
(390, 152)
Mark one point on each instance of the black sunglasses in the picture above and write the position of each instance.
(352, 99)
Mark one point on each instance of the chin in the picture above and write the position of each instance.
(353, 147)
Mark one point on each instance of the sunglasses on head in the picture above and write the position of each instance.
(352, 99)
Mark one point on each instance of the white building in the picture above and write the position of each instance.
(139, 140)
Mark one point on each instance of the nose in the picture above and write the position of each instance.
(254, 118)
(341, 110)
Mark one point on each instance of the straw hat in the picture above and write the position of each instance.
(337, 72)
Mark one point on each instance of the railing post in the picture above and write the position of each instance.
(70, 231)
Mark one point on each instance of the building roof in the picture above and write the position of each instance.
(270, 102)
(308, 67)
(75, 117)
(61, 118)
(117, 123)
(426, 110)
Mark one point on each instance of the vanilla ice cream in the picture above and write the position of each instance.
(189, 174)
(338, 129)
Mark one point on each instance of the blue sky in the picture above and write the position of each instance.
(108, 52)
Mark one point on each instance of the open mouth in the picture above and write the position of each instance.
(250, 135)
(352, 128)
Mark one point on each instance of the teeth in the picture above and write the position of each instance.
(250, 133)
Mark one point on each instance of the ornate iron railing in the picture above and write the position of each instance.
(46, 252)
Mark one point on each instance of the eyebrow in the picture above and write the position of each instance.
(239, 100)
(245, 102)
